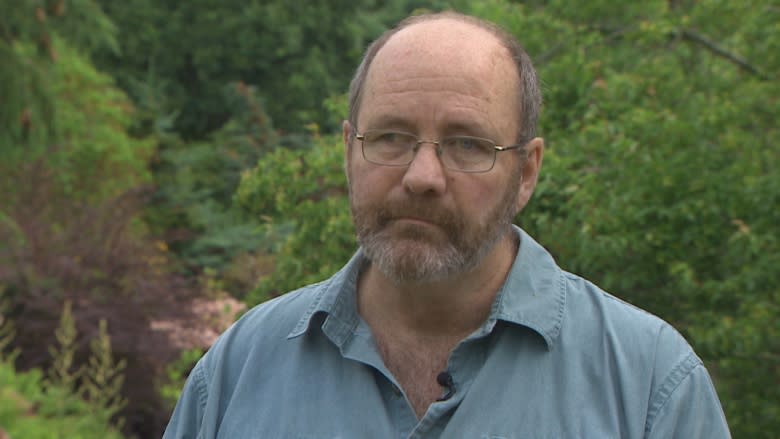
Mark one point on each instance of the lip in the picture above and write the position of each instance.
(415, 221)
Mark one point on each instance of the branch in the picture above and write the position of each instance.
(609, 33)
(723, 53)
(614, 33)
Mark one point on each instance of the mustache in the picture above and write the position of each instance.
(429, 212)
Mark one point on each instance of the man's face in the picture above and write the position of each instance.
(424, 222)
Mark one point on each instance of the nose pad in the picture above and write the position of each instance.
(420, 151)
(436, 148)
(426, 171)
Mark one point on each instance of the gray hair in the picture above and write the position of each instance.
(530, 95)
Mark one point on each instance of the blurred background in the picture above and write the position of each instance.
(165, 165)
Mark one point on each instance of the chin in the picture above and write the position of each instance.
(414, 261)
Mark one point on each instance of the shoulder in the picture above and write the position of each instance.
(269, 322)
(600, 314)
(629, 336)
(286, 309)
(243, 356)
(589, 306)
(648, 357)
(257, 336)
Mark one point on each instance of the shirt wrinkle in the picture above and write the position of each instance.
(683, 370)
(202, 390)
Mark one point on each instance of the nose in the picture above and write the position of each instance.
(426, 174)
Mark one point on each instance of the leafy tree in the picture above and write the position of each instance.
(301, 194)
(176, 58)
(29, 31)
(71, 187)
(51, 189)
(192, 208)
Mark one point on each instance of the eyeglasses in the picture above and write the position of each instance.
(459, 153)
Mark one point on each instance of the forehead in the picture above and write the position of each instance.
(458, 39)
(444, 58)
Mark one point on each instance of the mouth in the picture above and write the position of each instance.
(417, 228)
(413, 220)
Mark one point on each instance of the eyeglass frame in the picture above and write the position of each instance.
(496, 148)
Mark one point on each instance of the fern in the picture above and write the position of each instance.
(102, 377)
(61, 372)
(7, 330)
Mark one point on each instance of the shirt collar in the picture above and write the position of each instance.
(335, 298)
(533, 296)
(534, 293)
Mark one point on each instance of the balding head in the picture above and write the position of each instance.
(528, 92)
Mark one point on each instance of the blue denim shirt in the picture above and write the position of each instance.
(556, 358)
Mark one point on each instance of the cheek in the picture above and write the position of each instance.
(479, 199)
(369, 183)
(477, 195)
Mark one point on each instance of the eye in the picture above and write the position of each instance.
(387, 138)
(467, 144)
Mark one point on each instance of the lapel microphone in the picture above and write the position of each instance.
(445, 380)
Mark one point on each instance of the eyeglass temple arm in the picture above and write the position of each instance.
(508, 147)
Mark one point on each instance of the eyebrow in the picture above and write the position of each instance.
(455, 128)
(391, 122)
(466, 128)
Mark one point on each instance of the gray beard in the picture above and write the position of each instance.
(410, 262)
(410, 254)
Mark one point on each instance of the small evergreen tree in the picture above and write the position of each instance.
(62, 373)
(7, 330)
(102, 377)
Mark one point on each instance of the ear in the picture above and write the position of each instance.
(346, 133)
(531, 167)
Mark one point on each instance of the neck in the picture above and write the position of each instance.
(452, 307)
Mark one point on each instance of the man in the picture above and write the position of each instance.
(449, 321)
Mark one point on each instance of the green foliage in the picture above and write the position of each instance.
(7, 330)
(84, 174)
(88, 152)
(28, 34)
(62, 372)
(31, 409)
(303, 191)
(297, 54)
(196, 181)
(102, 378)
(97, 156)
(58, 108)
(32, 406)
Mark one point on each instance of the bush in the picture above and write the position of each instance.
(32, 406)
(31, 409)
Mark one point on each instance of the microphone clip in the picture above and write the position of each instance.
(445, 380)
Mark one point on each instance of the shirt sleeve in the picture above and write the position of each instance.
(187, 417)
(687, 407)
